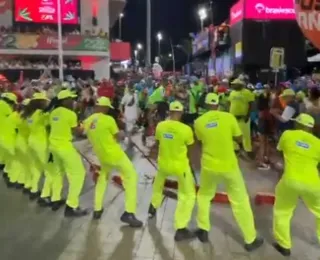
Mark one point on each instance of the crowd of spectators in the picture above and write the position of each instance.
(37, 64)
(47, 30)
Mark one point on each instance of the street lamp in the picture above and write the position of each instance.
(120, 25)
(202, 15)
(170, 55)
(159, 37)
(139, 46)
(60, 45)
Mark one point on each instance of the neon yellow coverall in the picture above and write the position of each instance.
(240, 101)
(129, 178)
(38, 145)
(65, 156)
(219, 164)
(9, 147)
(23, 156)
(246, 136)
(101, 130)
(301, 179)
(174, 137)
(5, 111)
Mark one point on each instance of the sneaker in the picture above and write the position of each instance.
(56, 205)
(131, 220)
(78, 212)
(283, 251)
(254, 245)
(183, 234)
(152, 211)
(264, 167)
(97, 214)
(44, 202)
(202, 235)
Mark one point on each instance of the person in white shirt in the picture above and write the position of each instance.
(130, 110)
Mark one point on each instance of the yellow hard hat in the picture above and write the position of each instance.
(10, 96)
(104, 102)
(63, 94)
(212, 99)
(176, 106)
(39, 96)
(305, 119)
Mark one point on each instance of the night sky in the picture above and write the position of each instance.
(173, 18)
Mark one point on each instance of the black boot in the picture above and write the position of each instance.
(56, 205)
(44, 202)
(283, 251)
(152, 211)
(26, 191)
(10, 184)
(183, 234)
(19, 186)
(78, 212)
(97, 214)
(131, 220)
(34, 195)
(5, 176)
(254, 245)
(202, 235)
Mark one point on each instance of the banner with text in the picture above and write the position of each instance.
(262, 10)
(50, 42)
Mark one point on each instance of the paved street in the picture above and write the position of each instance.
(30, 233)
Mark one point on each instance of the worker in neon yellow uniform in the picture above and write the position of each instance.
(301, 151)
(241, 100)
(15, 169)
(39, 163)
(103, 134)
(217, 130)
(22, 153)
(37, 120)
(174, 139)
(63, 124)
(7, 104)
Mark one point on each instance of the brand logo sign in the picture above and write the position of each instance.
(236, 13)
(270, 10)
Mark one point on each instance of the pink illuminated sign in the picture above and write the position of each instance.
(236, 13)
(262, 10)
(269, 10)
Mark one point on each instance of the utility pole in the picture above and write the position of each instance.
(148, 34)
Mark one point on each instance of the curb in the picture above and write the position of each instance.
(264, 198)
